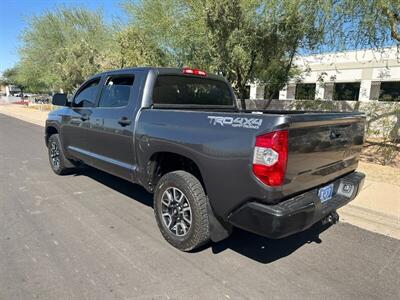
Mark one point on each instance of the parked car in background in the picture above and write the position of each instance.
(42, 99)
(210, 165)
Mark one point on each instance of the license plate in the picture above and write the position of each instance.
(325, 193)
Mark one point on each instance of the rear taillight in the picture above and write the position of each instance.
(194, 72)
(270, 157)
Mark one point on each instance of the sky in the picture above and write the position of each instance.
(15, 13)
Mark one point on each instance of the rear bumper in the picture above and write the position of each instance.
(298, 213)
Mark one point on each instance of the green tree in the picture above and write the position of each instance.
(28, 82)
(9, 76)
(362, 23)
(134, 48)
(63, 47)
(12, 76)
(243, 40)
(175, 28)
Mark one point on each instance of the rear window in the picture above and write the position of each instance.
(188, 90)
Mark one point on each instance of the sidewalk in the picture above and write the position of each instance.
(377, 207)
(26, 114)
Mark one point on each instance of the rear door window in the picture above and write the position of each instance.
(116, 91)
(190, 90)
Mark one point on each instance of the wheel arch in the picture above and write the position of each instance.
(163, 162)
(50, 130)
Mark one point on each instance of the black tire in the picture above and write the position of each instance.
(199, 230)
(58, 162)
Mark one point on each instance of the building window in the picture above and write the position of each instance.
(305, 91)
(346, 91)
(390, 91)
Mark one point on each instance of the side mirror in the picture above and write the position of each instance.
(60, 99)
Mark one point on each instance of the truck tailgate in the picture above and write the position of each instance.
(322, 147)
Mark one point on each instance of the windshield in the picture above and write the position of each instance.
(190, 90)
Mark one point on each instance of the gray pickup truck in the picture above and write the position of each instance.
(211, 166)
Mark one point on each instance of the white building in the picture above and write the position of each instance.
(352, 75)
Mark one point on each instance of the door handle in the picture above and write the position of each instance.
(124, 121)
(84, 117)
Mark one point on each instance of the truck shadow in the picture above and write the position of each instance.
(255, 247)
(133, 191)
(266, 250)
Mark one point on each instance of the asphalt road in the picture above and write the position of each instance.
(93, 236)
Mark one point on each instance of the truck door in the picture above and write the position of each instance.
(76, 119)
(112, 125)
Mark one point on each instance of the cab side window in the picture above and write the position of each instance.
(86, 97)
(116, 91)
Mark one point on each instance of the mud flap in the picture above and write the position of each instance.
(217, 231)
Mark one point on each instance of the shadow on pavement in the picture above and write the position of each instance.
(253, 246)
(134, 191)
(266, 250)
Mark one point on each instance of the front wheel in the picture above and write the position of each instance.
(180, 208)
(58, 162)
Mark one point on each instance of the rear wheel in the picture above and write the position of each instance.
(58, 162)
(180, 208)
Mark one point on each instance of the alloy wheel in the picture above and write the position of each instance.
(176, 211)
(55, 155)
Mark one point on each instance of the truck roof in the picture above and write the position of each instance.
(158, 70)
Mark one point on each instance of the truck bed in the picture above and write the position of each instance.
(224, 153)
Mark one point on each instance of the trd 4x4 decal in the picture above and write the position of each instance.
(240, 122)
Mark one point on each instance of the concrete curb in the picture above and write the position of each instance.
(371, 220)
